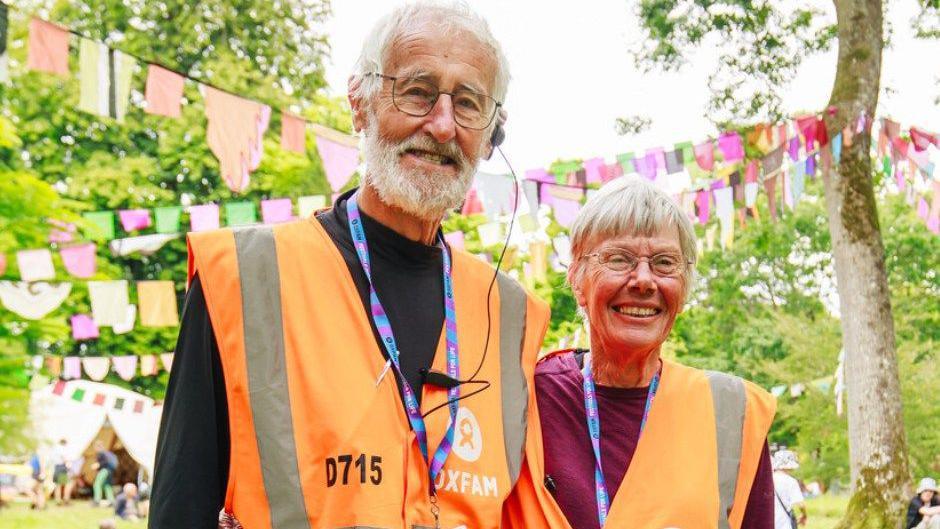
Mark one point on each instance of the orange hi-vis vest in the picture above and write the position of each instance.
(319, 440)
(693, 467)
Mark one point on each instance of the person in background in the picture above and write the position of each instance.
(924, 510)
(37, 492)
(789, 496)
(75, 476)
(126, 503)
(105, 463)
(60, 474)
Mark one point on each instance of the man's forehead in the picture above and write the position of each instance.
(429, 53)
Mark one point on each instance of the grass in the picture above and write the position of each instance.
(79, 515)
(824, 513)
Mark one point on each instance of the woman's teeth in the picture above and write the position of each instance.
(636, 311)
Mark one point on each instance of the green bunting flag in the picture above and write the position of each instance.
(78, 395)
(101, 225)
(168, 219)
(626, 162)
(105, 79)
(240, 213)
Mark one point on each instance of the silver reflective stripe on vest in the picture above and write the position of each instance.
(515, 396)
(729, 399)
(267, 376)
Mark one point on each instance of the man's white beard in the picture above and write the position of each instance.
(426, 195)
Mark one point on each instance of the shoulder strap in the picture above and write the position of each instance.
(789, 513)
(729, 400)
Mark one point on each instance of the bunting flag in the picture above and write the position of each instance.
(4, 58)
(109, 301)
(724, 210)
(168, 219)
(923, 139)
(48, 48)
(455, 239)
(490, 233)
(750, 195)
(157, 300)
(167, 360)
(594, 170)
(96, 367)
(71, 367)
(793, 148)
(277, 210)
(53, 364)
(148, 365)
(83, 327)
(33, 301)
(933, 216)
(234, 133)
(61, 232)
(105, 76)
(538, 260)
(705, 155)
(100, 225)
(770, 187)
(625, 161)
(565, 203)
(646, 166)
(339, 154)
(126, 324)
(35, 265)
(3, 264)
(79, 394)
(674, 162)
(496, 192)
(134, 219)
(530, 189)
(293, 132)
(143, 244)
(125, 366)
(731, 146)
(306, 206)
(701, 205)
(472, 204)
(240, 214)
(837, 148)
(204, 217)
(98, 400)
(164, 91)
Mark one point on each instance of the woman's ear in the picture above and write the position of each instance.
(574, 279)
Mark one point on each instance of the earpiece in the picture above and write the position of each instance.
(498, 136)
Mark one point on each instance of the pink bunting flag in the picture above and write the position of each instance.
(293, 132)
(277, 210)
(71, 367)
(705, 155)
(138, 406)
(134, 219)
(614, 170)
(79, 260)
(646, 165)
(99, 399)
(83, 328)
(658, 156)
(339, 154)
(204, 217)
(125, 366)
(731, 146)
(164, 92)
(3, 263)
(807, 126)
(923, 209)
(59, 388)
(923, 139)
(750, 175)
(594, 170)
(62, 232)
(702, 205)
(48, 47)
(899, 148)
(565, 211)
(472, 204)
(455, 239)
(933, 217)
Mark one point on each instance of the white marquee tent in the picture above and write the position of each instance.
(80, 411)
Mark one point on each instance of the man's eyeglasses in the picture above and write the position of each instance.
(663, 264)
(417, 97)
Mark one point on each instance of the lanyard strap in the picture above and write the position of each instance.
(594, 429)
(380, 318)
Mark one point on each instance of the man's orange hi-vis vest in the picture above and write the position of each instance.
(316, 442)
(693, 467)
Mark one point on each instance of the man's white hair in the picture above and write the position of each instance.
(630, 205)
(451, 17)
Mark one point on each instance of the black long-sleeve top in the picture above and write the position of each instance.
(191, 470)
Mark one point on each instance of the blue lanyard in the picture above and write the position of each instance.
(380, 318)
(594, 429)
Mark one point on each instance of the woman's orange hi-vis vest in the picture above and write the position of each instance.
(317, 440)
(693, 467)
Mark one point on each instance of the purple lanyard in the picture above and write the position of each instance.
(380, 318)
(594, 429)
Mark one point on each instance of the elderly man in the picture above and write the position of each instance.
(351, 370)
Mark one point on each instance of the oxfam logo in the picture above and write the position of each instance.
(468, 438)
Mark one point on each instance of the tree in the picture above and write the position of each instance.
(763, 46)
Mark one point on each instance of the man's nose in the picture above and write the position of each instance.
(439, 123)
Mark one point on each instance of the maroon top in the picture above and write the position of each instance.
(569, 458)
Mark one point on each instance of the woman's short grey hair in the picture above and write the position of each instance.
(449, 16)
(630, 206)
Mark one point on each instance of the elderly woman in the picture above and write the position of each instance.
(621, 437)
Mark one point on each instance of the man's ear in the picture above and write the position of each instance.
(356, 103)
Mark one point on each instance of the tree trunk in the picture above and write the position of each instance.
(877, 447)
